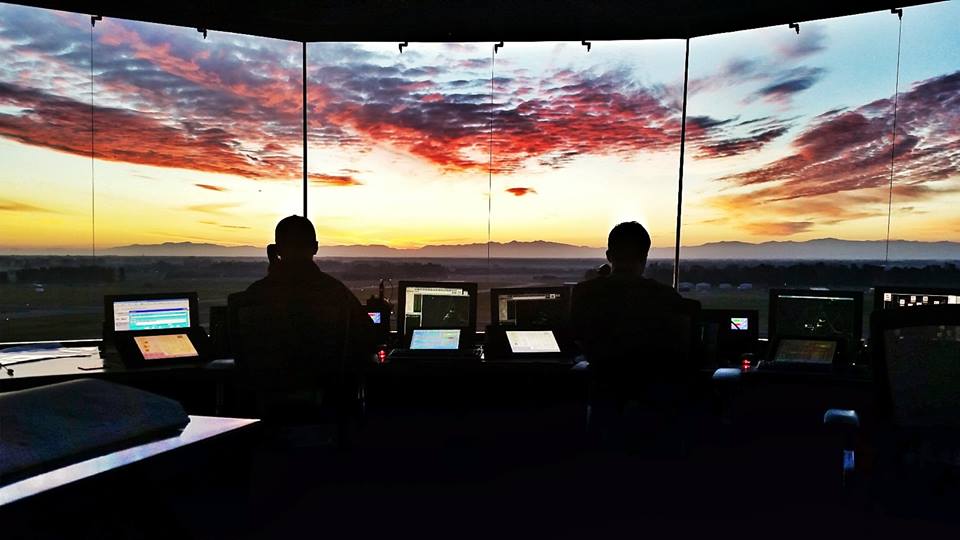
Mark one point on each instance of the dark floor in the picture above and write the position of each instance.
(521, 472)
(501, 468)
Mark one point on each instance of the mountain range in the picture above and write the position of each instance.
(820, 249)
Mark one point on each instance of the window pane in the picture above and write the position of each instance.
(583, 141)
(788, 159)
(198, 147)
(398, 160)
(926, 191)
(45, 196)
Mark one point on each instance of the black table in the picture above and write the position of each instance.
(85, 360)
(200, 430)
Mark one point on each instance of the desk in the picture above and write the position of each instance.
(200, 429)
(91, 364)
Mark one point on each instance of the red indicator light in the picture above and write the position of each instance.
(745, 364)
(382, 356)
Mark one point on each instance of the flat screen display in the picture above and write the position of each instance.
(436, 307)
(806, 351)
(374, 316)
(536, 309)
(165, 347)
(739, 324)
(165, 314)
(435, 340)
(532, 341)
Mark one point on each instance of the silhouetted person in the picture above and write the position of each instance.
(634, 331)
(301, 329)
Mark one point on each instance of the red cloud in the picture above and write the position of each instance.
(211, 187)
(520, 191)
(850, 151)
(334, 179)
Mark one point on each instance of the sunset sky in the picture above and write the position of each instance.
(200, 139)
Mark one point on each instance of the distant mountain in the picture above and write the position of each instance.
(821, 249)
(186, 249)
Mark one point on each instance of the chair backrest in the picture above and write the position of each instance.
(661, 344)
(288, 339)
(916, 355)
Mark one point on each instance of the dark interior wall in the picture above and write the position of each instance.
(466, 20)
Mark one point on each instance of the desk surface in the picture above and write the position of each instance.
(84, 362)
(199, 429)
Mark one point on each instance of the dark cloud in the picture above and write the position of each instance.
(210, 187)
(740, 145)
(811, 39)
(15, 206)
(788, 84)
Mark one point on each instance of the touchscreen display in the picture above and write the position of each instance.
(807, 351)
(439, 340)
(532, 341)
(165, 347)
(739, 323)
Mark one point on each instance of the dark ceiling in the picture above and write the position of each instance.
(471, 20)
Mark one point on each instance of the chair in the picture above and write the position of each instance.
(293, 356)
(916, 365)
(649, 360)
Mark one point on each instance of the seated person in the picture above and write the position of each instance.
(299, 328)
(629, 326)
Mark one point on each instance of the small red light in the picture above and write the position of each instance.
(745, 364)
(382, 356)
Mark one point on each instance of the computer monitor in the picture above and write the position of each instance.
(148, 312)
(798, 313)
(530, 307)
(726, 334)
(899, 297)
(532, 342)
(436, 305)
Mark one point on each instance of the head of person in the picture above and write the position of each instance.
(296, 239)
(627, 248)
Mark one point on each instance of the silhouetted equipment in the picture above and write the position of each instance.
(51, 426)
(379, 310)
(796, 313)
(888, 297)
(294, 353)
(727, 334)
(916, 365)
(220, 332)
(436, 305)
(152, 329)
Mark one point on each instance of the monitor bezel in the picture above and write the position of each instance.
(110, 299)
(497, 292)
(471, 289)
(879, 290)
(856, 296)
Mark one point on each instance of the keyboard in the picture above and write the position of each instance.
(438, 355)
